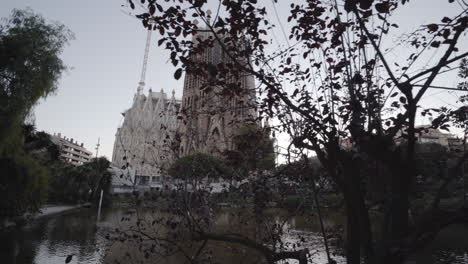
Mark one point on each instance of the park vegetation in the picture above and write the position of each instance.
(32, 172)
(30, 67)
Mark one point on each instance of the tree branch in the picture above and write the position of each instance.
(269, 254)
(454, 59)
(443, 60)
(377, 49)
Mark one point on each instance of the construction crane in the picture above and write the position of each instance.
(141, 84)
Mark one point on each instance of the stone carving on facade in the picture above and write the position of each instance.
(144, 141)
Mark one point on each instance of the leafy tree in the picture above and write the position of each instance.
(40, 145)
(196, 167)
(78, 184)
(253, 150)
(340, 84)
(23, 184)
(431, 160)
(30, 67)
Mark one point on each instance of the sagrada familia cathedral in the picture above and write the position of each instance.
(144, 141)
(210, 118)
(157, 129)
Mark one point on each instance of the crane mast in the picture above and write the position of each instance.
(141, 84)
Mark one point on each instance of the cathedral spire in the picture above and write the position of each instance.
(172, 102)
(208, 16)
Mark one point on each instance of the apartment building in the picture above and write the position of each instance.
(71, 151)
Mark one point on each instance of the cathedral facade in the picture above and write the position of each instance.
(156, 129)
(144, 141)
(210, 116)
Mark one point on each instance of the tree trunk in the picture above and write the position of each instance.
(400, 205)
(353, 236)
(353, 228)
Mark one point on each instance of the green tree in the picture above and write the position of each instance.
(40, 145)
(196, 167)
(254, 149)
(77, 184)
(30, 68)
(23, 184)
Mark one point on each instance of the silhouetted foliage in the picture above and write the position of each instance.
(29, 70)
(254, 150)
(341, 85)
(30, 66)
(79, 184)
(198, 166)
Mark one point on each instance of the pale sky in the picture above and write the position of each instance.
(106, 58)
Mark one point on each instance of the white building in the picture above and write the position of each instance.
(432, 135)
(144, 141)
(71, 151)
(123, 180)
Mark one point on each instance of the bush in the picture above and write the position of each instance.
(23, 185)
(198, 166)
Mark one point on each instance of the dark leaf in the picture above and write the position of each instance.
(432, 27)
(350, 5)
(365, 4)
(178, 74)
(152, 9)
(446, 33)
(435, 44)
(177, 31)
(68, 259)
(383, 7)
(357, 79)
(446, 20)
(160, 41)
(160, 9)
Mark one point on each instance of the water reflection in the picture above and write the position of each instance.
(51, 240)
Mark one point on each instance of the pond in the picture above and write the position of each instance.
(78, 233)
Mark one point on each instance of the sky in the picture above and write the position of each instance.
(106, 58)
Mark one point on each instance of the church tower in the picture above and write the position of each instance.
(211, 114)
